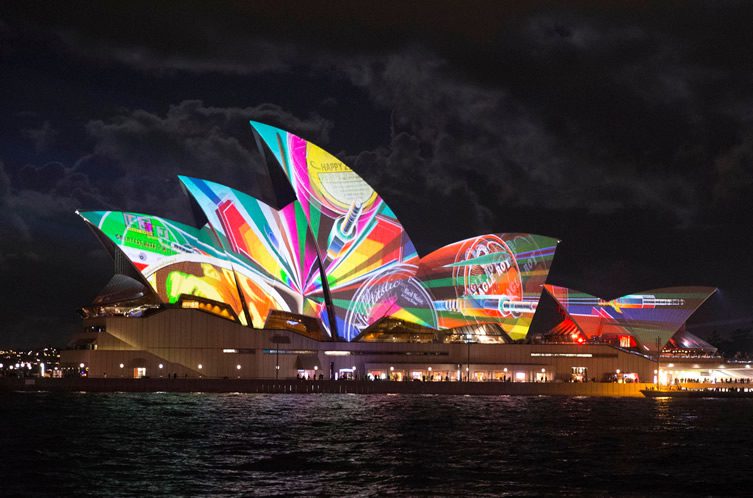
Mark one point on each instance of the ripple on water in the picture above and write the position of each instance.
(373, 445)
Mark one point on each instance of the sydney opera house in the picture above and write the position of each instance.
(331, 286)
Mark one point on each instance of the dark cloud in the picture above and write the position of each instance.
(734, 169)
(137, 155)
(12, 226)
(489, 149)
(4, 183)
(135, 158)
(42, 137)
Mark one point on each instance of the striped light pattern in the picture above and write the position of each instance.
(176, 259)
(650, 317)
(368, 258)
(338, 254)
(266, 245)
(494, 278)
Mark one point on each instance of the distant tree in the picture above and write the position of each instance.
(741, 343)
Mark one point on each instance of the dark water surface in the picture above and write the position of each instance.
(256, 444)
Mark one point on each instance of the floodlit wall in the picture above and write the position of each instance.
(181, 340)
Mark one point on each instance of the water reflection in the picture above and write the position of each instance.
(261, 444)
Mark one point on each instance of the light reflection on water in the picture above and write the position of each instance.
(370, 445)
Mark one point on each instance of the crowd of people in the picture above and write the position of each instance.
(711, 380)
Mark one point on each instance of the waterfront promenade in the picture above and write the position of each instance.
(293, 386)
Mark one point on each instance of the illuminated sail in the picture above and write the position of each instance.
(368, 258)
(177, 260)
(650, 316)
(493, 278)
(268, 248)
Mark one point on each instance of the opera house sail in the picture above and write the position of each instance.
(646, 320)
(337, 266)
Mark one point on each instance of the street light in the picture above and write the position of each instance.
(468, 338)
(658, 355)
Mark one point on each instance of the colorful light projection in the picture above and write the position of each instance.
(176, 259)
(393, 292)
(270, 250)
(253, 259)
(493, 278)
(648, 316)
(369, 260)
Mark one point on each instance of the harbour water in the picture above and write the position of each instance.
(147, 444)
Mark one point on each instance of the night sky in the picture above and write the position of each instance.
(623, 129)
